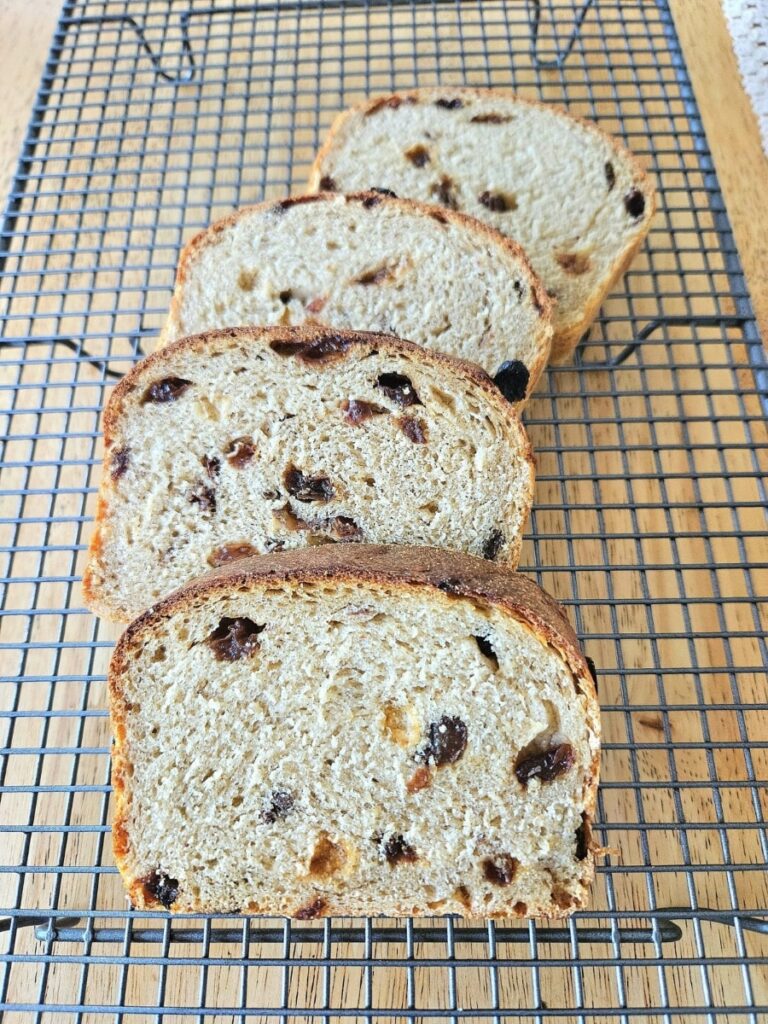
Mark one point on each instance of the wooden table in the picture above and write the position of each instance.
(26, 32)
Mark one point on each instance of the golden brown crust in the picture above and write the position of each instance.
(135, 379)
(443, 576)
(566, 335)
(507, 245)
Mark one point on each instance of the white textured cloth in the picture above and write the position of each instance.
(748, 25)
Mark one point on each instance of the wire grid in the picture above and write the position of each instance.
(151, 120)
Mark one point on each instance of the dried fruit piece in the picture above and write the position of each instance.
(547, 765)
(119, 462)
(345, 528)
(493, 545)
(450, 585)
(170, 389)
(211, 465)
(317, 304)
(234, 639)
(414, 429)
(161, 887)
(500, 870)
(204, 497)
(393, 102)
(453, 104)
(397, 851)
(486, 649)
(444, 191)
(634, 203)
(230, 553)
(327, 184)
(356, 411)
(610, 175)
(490, 119)
(511, 379)
(377, 276)
(574, 263)
(418, 155)
(497, 202)
(307, 488)
(420, 779)
(398, 388)
(439, 216)
(328, 858)
(325, 349)
(447, 741)
(311, 910)
(280, 806)
(240, 451)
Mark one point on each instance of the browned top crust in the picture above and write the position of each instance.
(450, 574)
(337, 345)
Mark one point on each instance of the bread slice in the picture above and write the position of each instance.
(577, 201)
(372, 263)
(367, 731)
(245, 440)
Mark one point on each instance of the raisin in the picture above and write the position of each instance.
(486, 648)
(398, 851)
(447, 741)
(162, 888)
(420, 779)
(384, 192)
(203, 496)
(345, 528)
(398, 388)
(490, 119)
(610, 175)
(547, 765)
(414, 429)
(119, 462)
(211, 465)
(240, 452)
(287, 347)
(445, 192)
(230, 553)
(325, 348)
(418, 155)
(285, 296)
(583, 834)
(574, 263)
(439, 216)
(355, 411)
(377, 276)
(370, 201)
(519, 292)
(317, 304)
(310, 910)
(450, 585)
(493, 545)
(511, 379)
(327, 184)
(307, 488)
(170, 389)
(500, 870)
(280, 806)
(497, 202)
(234, 639)
(454, 104)
(634, 203)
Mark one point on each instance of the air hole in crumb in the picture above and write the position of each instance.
(486, 649)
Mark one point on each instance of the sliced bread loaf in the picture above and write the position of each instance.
(246, 440)
(368, 731)
(372, 263)
(576, 200)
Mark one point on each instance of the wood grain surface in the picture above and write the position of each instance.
(647, 488)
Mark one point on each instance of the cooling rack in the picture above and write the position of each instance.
(153, 118)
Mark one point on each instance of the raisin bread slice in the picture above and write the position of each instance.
(372, 263)
(245, 440)
(576, 200)
(368, 731)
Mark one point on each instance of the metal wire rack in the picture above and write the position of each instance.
(153, 118)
